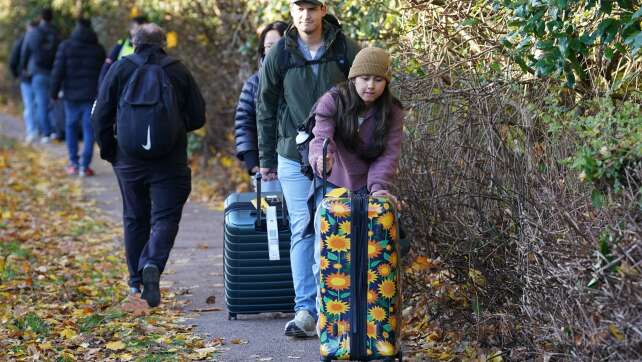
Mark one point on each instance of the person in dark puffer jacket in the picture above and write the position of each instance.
(76, 70)
(36, 60)
(247, 149)
(26, 90)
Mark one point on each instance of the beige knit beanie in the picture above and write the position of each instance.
(371, 61)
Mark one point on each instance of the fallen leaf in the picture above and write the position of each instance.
(183, 291)
(477, 277)
(203, 310)
(211, 299)
(495, 357)
(115, 346)
(68, 333)
(206, 350)
(126, 357)
(616, 332)
(135, 305)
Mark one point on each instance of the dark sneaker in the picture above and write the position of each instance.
(71, 170)
(302, 326)
(86, 172)
(151, 288)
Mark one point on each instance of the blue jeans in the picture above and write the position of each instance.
(77, 114)
(296, 188)
(29, 104)
(40, 84)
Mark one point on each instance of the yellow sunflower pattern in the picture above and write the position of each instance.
(382, 298)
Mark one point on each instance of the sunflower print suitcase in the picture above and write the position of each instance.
(360, 306)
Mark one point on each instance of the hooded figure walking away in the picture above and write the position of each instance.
(36, 61)
(76, 71)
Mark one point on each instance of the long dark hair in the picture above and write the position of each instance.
(349, 107)
(279, 26)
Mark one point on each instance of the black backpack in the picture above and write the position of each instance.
(148, 122)
(339, 54)
(305, 136)
(46, 54)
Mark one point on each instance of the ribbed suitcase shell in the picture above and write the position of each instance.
(253, 283)
(382, 299)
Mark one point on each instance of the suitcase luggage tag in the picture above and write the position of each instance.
(273, 233)
(271, 220)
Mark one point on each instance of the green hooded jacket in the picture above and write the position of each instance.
(284, 101)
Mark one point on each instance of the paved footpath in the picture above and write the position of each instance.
(195, 273)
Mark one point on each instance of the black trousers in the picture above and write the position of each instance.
(153, 200)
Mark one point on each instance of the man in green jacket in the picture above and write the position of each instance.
(311, 58)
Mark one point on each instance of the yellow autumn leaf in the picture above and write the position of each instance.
(126, 357)
(134, 12)
(68, 333)
(45, 346)
(616, 332)
(172, 39)
(495, 357)
(477, 277)
(116, 346)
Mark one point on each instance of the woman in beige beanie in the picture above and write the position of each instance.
(364, 123)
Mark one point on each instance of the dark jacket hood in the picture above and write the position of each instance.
(84, 34)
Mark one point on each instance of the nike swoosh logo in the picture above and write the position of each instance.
(148, 146)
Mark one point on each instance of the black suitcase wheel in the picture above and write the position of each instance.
(231, 316)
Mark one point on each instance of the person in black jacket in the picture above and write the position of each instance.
(76, 71)
(247, 149)
(26, 91)
(153, 190)
(36, 59)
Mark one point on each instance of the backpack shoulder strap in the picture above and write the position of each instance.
(167, 61)
(136, 59)
(283, 56)
(342, 51)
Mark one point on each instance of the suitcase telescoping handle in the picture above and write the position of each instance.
(259, 220)
(326, 143)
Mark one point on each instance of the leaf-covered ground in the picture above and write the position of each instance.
(62, 276)
(63, 291)
(440, 316)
